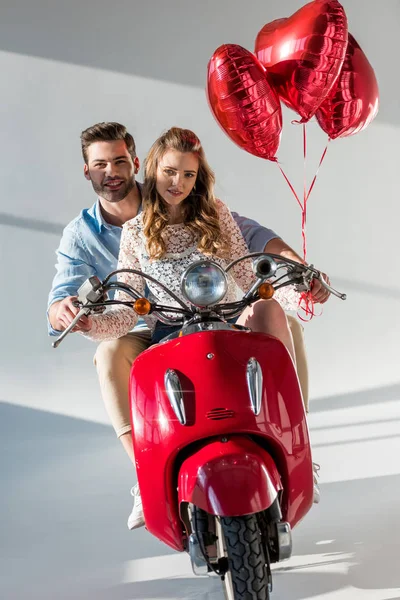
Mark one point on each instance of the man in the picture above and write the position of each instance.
(90, 246)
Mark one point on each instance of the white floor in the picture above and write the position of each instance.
(65, 499)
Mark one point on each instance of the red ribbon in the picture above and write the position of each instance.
(306, 302)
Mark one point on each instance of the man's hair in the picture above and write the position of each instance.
(106, 132)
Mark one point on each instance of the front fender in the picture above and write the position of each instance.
(231, 478)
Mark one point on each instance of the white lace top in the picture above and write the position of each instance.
(181, 252)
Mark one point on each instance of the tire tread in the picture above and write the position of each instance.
(246, 557)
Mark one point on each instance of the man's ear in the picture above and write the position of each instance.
(136, 164)
(86, 171)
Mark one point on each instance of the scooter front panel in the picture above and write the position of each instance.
(211, 367)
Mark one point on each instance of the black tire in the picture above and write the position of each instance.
(248, 573)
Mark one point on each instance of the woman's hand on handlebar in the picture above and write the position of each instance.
(84, 324)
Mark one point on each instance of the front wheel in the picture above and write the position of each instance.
(240, 542)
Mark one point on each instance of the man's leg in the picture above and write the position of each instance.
(302, 371)
(301, 357)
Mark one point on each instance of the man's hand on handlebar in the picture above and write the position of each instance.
(62, 313)
(318, 292)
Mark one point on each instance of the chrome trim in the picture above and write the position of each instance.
(204, 326)
(222, 553)
(284, 535)
(199, 565)
(194, 266)
(254, 384)
(259, 264)
(175, 394)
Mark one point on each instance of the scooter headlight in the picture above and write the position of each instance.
(204, 283)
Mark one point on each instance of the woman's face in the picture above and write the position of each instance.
(176, 176)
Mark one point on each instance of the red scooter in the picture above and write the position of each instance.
(220, 434)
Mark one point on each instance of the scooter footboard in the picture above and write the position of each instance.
(229, 477)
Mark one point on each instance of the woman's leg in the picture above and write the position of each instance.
(113, 360)
(126, 441)
(267, 316)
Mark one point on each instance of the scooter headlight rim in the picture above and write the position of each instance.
(204, 283)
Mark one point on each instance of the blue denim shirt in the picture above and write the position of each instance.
(90, 246)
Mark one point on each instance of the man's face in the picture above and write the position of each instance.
(111, 170)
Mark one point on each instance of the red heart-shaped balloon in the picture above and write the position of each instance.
(354, 99)
(243, 102)
(304, 54)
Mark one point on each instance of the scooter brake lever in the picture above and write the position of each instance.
(82, 313)
(305, 278)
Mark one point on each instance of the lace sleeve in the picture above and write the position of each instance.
(242, 273)
(119, 320)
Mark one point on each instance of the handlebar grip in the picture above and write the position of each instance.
(83, 312)
(331, 289)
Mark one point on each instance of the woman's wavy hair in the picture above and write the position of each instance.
(200, 213)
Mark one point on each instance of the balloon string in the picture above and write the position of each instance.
(290, 185)
(306, 303)
(319, 166)
(303, 205)
(305, 307)
(305, 196)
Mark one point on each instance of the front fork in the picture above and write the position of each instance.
(206, 544)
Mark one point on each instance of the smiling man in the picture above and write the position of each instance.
(111, 166)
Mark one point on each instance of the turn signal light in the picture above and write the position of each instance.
(142, 306)
(266, 291)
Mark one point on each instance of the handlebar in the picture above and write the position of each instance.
(312, 273)
(84, 312)
(92, 295)
(330, 288)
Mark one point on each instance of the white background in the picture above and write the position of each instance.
(65, 66)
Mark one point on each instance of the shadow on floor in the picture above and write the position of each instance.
(65, 493)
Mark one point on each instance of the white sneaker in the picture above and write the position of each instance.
(136, 518)
(316, 469)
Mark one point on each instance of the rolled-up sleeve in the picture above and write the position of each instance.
(73, 268)
(256, 236)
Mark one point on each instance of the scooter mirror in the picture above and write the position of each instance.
(264, 267)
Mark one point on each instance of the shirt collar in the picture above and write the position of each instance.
(101, 223)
